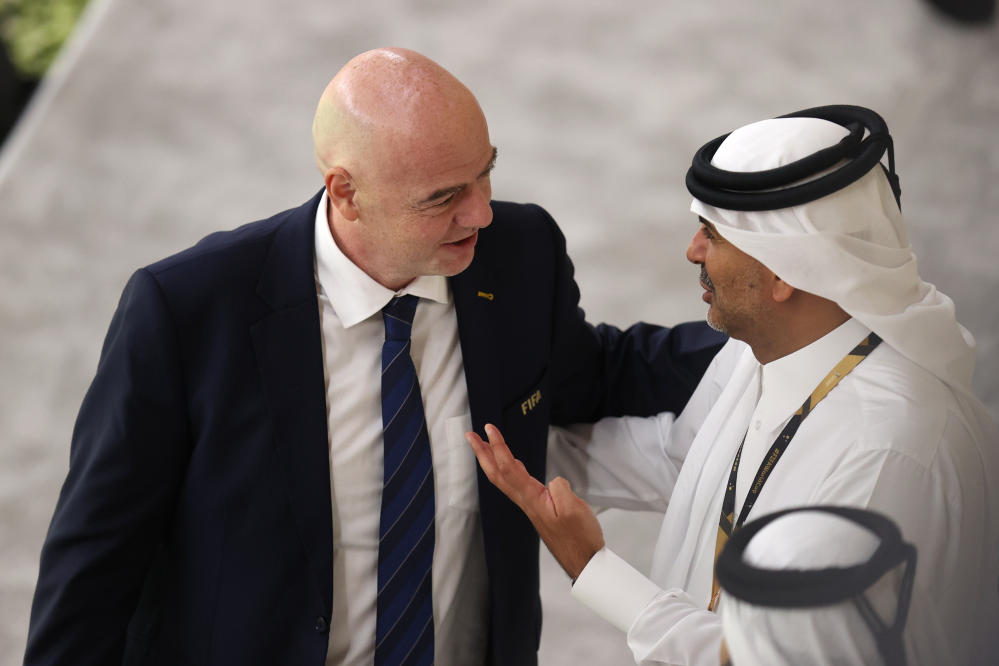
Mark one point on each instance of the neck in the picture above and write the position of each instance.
(786, 335)
(354, 249)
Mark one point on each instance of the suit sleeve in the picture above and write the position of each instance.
(600, 371)
(129, 450)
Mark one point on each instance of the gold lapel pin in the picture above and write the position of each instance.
(488, 295)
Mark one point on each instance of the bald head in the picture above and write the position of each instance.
(405, 155)
(381, 106)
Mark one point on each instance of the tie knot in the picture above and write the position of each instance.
(398, 316)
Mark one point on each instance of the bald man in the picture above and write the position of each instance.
(236, 492)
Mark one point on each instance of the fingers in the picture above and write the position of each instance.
(498, 445)
(495, 456)
(509, 474)
(511, 470)
(565, 522)
(483, 452)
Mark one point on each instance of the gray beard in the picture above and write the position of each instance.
(718, 327)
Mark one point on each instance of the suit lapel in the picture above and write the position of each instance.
(288, 344)
(474, 304)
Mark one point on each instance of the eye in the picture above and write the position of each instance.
(707, 232)
(446, 197)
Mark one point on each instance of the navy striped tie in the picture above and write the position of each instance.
(404, 632)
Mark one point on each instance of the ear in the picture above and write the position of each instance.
(341, 191)
(780, 290)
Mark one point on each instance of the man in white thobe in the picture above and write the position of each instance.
(800, 274)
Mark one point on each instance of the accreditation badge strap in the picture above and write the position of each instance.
(725, 524)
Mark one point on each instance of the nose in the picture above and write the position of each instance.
(476, 212)
(697, 247)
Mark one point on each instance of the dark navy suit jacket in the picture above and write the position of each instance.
(195, 525)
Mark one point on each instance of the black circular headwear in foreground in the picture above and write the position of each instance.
(773, 189)
(806, 588)
(811, 588)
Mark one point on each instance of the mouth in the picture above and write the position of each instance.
(466, 242)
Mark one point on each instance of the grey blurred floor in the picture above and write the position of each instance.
(166, 120)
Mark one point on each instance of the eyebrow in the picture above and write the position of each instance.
(710, 226)
(439, 194)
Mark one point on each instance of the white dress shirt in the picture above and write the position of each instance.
(350, 304)
(890, 437)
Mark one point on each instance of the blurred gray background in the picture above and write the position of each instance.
(163, 121)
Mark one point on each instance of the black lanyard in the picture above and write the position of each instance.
(842, 369)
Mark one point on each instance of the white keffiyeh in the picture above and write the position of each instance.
(849, 246)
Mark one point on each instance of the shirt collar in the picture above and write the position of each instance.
(787, 381)
(354, 294)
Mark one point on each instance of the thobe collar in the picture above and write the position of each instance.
(354, 294)
(787, 381)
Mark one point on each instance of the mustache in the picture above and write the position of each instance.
(706, 279)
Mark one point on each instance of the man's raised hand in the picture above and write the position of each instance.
(564, 522)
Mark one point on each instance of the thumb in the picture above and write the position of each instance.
(561, 493)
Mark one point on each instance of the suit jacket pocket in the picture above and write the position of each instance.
(525, 424)
(530, 404)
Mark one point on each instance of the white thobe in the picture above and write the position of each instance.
(890, 437)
